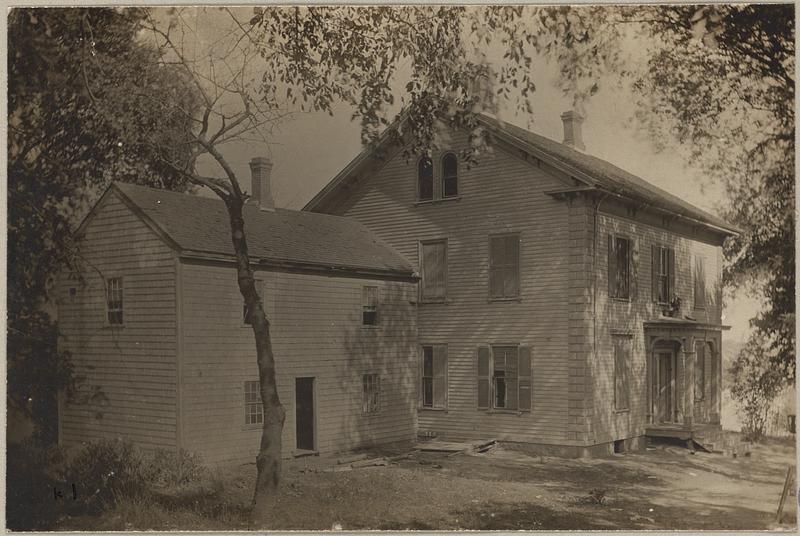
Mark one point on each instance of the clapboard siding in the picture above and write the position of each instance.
(316, 332)
(628, 317)
(129, 385)
(501, 194)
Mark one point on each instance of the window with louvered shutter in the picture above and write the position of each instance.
(622, 358)
(619, 267)
(504, 266)
(699, 282)
(434, 376)
(433, 270)
(663, 274)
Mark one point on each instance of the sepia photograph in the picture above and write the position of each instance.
(401, 267)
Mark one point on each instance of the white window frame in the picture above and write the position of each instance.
(253, 406)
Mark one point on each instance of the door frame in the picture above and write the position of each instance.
(314, 407)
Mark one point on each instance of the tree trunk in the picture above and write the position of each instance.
(268, 461)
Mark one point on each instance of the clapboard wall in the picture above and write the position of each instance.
(317, 331)
(503, 193)
(127, 373)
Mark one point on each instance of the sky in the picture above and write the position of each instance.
(309, 149)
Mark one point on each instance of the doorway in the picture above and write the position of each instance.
(304, 413)
(666, 395)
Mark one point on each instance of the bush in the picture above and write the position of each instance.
(102, 472)
(170, 469)
(31, 478)
(756, 383)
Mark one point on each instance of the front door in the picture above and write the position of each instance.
(666, 386)
(304, 413)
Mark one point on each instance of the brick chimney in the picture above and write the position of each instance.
(261, 185)
(573, 135)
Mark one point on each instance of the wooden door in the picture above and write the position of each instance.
(304, 413)
(666, 387)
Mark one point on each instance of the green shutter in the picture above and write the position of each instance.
(525, 378)
(483, 377)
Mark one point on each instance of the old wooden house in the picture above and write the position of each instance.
(564, 304)
(160, 340)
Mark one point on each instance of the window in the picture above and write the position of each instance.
(619, 267)
(259, 289)
(253, 409)
(449, 175)
(699, 282)
(699, 370)
(622, 363)
(504, 377)
(371, 396)
(425, 179)
(114, 300)
(434, 376)
(434, 270)
(663, 274)
(369, 307)
(504, 266)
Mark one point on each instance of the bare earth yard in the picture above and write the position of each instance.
(663, 488)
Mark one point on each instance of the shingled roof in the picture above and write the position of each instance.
(199, 226)
(606, 176)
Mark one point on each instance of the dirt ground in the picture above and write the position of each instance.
(663, 488)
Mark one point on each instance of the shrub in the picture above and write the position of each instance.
(756, 383)
(102, 472)
(170, 469)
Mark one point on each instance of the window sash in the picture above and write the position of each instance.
(505, 377)
(425, 179)
(253, 408)
(114, 301)
(369, 307)
(504, 266)
(449, 175)
(434, 376)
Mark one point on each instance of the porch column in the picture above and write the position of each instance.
(689, 358)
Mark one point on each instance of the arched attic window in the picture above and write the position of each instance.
(449, 175)
(425, 179)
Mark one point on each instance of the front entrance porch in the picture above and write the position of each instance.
(683, 377)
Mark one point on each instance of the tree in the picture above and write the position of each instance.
(756, 383)
(310, 58)
(64, 146)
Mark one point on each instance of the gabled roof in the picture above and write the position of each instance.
(199, 227)
(594, 173)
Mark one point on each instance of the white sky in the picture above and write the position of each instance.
(309, 149)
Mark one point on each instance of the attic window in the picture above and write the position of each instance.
(449, 175)
(425, 179)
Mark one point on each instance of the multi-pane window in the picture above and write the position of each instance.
(114, 300)
(369, 306)
(253, 408)
(449, 175)
(434, 376)
(504, 266)
(699, 370)
(245, 313)
(425, 179)
(619, 267)
(504, 377)
(699, 282)
(371, 394)
(663, 273)
(622, 363)
(433, 267)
